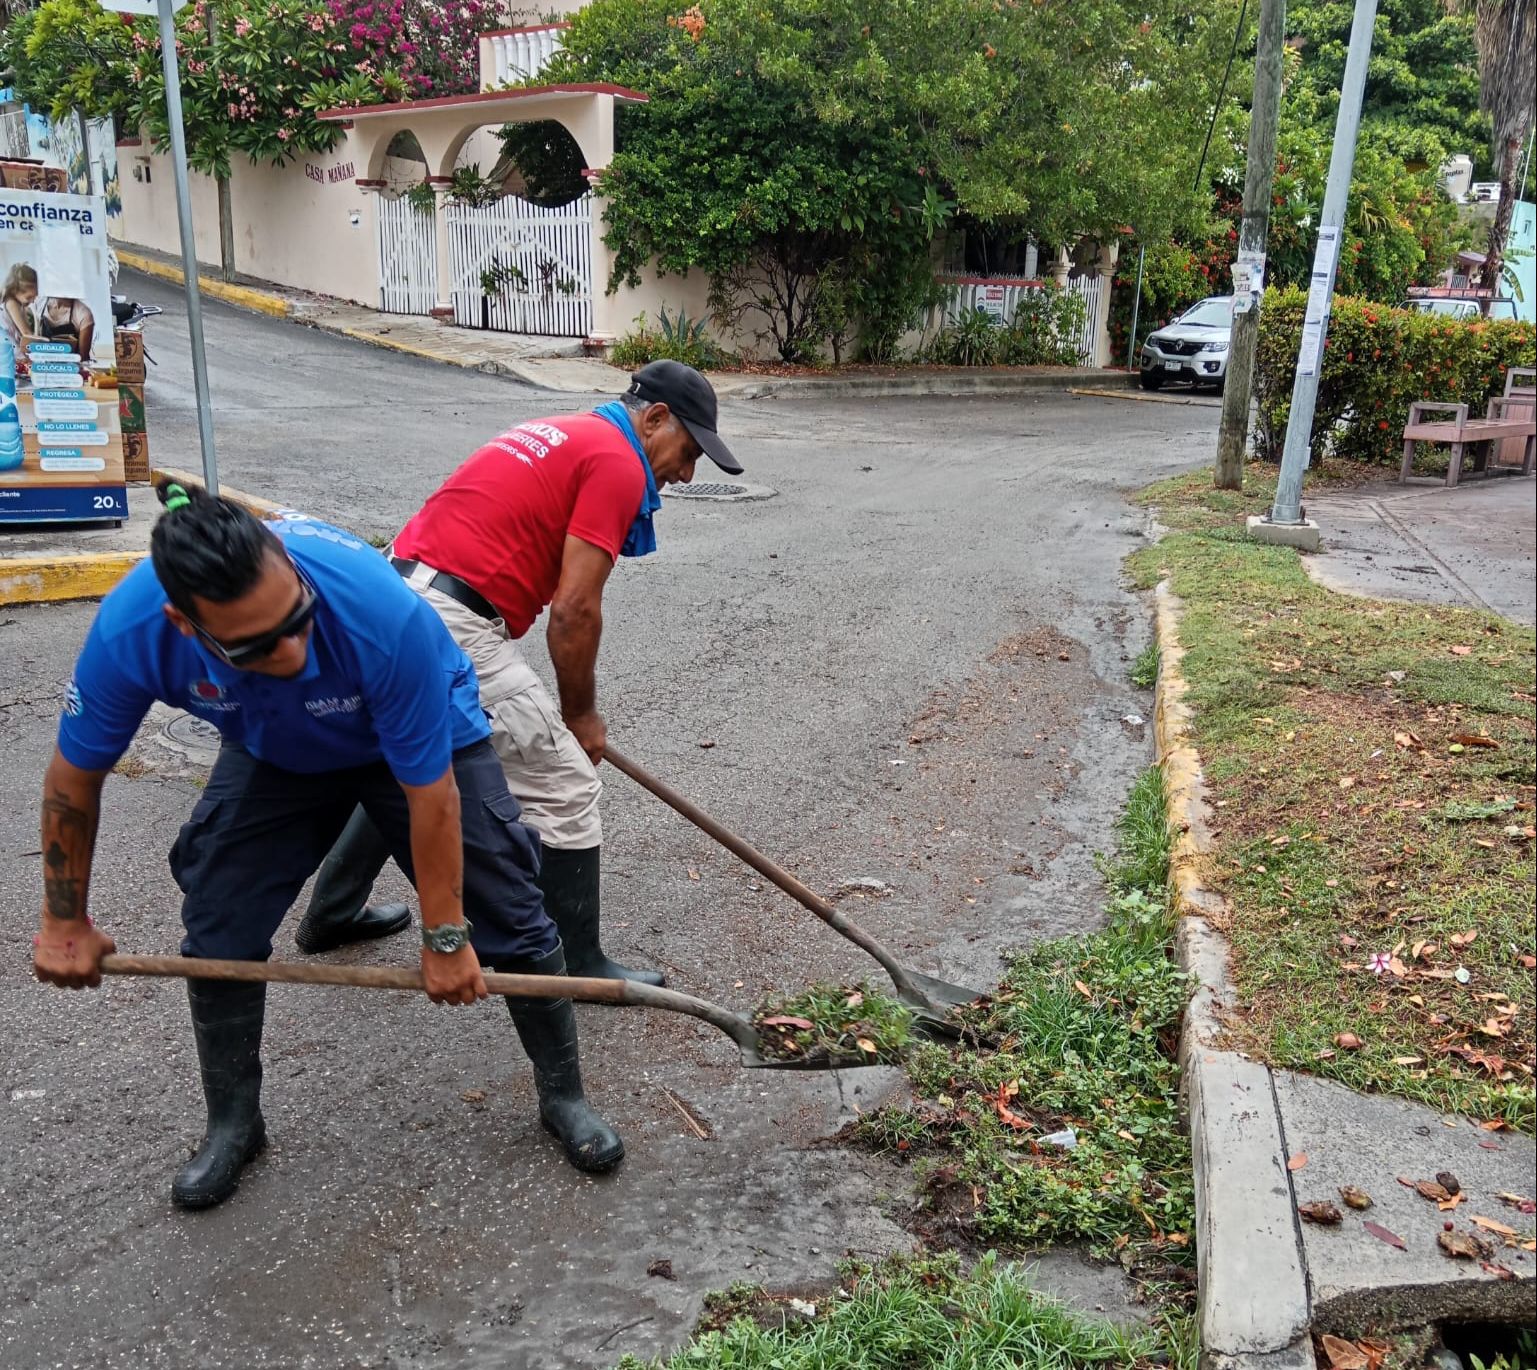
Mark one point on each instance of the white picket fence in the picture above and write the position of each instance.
(408, 257)
(1000, 297)
(519, 268)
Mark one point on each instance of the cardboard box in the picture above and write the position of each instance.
(18, 175)
(130, 356)
(130, 406)
(136, 457)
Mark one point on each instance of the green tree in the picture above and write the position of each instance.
(68, 56)
(1507, 48)
(1421, 100)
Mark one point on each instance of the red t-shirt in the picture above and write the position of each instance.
(500, 521)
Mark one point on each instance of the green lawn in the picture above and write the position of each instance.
(1372, 767)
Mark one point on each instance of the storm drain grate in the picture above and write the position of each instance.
(707, 490)
(718, 490)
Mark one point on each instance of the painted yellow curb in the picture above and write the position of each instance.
(410, 349)
(1184, 783)
(243, 295)
(39, 580)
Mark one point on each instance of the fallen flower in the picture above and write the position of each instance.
(1380, 962)
(1383, 1235)
(1322, 1212)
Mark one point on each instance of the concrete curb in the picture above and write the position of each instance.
(731, 385)
(1253, 1308)
(261, 301)
(1131, 392)
(57, 579)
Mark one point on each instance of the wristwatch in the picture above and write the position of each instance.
(447, 938)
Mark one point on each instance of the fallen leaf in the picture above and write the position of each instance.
(1474, 740)
(1462, 651)
(1083, 989)
(1408, 1060)
(1342, 1354)
(1348, 1041)
(1517, 1201)
(1383, 1235)
(1462, 1245)
(1346, 940)
(1297, 1161)
(1494, 1125)
(866, 1045)
(1429, 1189)
(1464, 939)
(1347, 782)
(1006, 1114)
(693, 874)
(786, 1020)
(1376, 1352)
(1355, 1198)
(1450, 1206)
(474, 1096)
(1489, 1225)
(1409, 742)
(661, 1269)
(1323, 1213)
(1499, 1272)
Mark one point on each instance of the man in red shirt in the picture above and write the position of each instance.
(538, 517)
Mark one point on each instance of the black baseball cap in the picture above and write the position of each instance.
(692, 398)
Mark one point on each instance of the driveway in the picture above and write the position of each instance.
(908, 665)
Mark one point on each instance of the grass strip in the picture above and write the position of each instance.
(909, 1313)
(1371, 764)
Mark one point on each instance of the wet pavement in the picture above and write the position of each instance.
(910, 667)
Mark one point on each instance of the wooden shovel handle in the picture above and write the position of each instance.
(585, 989)
(770, 870)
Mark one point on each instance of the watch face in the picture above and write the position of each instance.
(446, 939)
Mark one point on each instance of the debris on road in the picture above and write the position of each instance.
(835, 1022)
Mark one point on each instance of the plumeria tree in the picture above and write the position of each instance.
(433, 45)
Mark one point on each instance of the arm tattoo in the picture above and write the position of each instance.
(69, 833)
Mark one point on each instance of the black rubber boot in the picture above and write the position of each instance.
(547, 1029)
(569, 882)
(339, 911)
(227, 1023)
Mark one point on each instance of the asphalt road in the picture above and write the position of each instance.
(910, 667)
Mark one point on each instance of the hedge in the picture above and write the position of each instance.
(1377, 361)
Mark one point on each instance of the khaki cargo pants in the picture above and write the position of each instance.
(546, 768)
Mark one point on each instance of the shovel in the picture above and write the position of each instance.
(929, 998)
(583, 989)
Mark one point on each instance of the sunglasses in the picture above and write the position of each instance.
(253, 649)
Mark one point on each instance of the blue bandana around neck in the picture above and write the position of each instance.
(641, 539)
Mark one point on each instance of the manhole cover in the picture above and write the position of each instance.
(193, 732)
(717, 490)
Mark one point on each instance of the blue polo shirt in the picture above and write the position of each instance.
(383, 678)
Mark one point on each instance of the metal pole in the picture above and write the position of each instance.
(188, 244)
(1287, 508)
(1136, 310)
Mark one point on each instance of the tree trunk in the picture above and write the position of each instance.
(226, 214)
(1490, 276)
(1264, 121)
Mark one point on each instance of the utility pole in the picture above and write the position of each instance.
(1253, 234)
(1285, 523)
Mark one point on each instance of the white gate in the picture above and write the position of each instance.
(408, 257)
(518, 268)
(1089, 288)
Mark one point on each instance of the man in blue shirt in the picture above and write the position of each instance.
(333, 686)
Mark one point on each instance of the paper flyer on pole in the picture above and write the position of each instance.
(1319, 289)
(61, 442)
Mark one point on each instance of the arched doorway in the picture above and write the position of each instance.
(520, 234)
(407, 228)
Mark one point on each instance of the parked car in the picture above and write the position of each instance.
(1192, 348)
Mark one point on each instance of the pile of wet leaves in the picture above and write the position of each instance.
(827, 1024)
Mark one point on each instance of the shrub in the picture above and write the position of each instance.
(1041, 333)
(1376, 362)
(678, 339)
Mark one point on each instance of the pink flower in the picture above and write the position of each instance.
(242, 27)
(1380, 962)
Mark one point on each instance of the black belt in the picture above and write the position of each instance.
(451, 586)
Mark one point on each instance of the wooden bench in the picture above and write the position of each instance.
(1461, 433)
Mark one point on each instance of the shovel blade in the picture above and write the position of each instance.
(943, 992)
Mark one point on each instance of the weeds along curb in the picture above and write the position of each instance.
(1253, 1306)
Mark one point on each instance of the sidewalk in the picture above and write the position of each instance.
(1474, 545)
(1268, 1140)
(560, 363)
